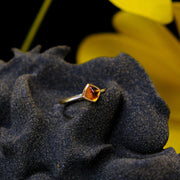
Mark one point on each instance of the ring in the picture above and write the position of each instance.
(90, 93)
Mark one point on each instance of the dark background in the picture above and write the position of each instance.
(66, 23)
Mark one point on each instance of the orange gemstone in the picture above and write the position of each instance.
(91, 92)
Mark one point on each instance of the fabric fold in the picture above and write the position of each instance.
(120, 136)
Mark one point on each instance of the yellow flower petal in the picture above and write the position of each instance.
(172, 97)
(110, 44)
(158, 10)
(176, 10)
(152, 34)
(148, 31)
(149, 42)
(174, 135)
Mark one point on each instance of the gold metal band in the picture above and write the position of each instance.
(73, 98)
(102, 90)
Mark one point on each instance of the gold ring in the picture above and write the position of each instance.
(90, 93)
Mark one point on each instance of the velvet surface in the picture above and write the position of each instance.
(121, 136)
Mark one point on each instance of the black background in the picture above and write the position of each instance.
(66, 23)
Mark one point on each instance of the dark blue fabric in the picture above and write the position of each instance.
(121, 136)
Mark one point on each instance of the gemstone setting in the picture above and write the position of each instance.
(91, 93)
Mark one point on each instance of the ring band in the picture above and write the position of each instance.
(90, 93)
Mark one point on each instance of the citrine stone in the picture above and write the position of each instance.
(91, 92)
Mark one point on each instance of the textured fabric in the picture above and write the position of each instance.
(121, 136)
